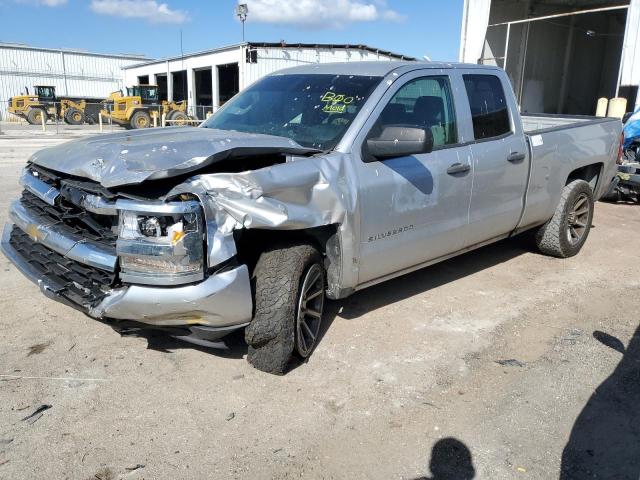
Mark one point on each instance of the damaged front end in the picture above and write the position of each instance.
(160, 247)
(123, 259)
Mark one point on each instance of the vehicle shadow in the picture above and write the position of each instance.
(605, 439)
(231, 346)
(361, 303)
(450, 460)
(401, 288)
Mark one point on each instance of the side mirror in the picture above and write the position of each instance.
(398, 141)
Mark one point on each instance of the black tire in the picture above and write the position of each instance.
(73, 116)
(34, 116)
(274, 333)
(179, 118)
(564, 235)
(140, 119)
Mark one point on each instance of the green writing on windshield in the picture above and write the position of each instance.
(335, 102)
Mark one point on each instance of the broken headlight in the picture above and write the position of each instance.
(162, 244)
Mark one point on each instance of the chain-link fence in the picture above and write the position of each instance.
(29, 115)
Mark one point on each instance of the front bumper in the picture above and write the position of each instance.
(222, 301)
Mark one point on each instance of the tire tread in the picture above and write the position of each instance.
(549, 237)
(276, 277)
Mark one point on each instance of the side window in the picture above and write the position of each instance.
(489, 110)
(425, 103)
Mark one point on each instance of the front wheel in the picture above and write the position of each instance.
(179, 118)
(35, 115)
(564, 235)
(73, 116)
(289, 303)
(140, 119)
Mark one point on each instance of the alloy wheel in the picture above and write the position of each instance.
(310, 309)
(578, 218)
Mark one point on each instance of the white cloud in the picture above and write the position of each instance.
(149, 10)
(319, 13)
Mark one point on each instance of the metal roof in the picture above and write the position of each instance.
(274, 45)
(22, 46)
(376, 69)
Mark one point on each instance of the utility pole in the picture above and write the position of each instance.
(242, 10)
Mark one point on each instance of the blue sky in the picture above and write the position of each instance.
(150, 27)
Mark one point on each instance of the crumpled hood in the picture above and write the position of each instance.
(132, 157)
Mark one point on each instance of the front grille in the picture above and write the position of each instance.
(73, 220)
(81, 284)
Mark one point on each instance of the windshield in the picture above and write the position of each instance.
(144, 92)
(313, 110)
(45, 92)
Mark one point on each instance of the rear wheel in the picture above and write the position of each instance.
(73, 116)
(140, 119)
(34, 116)
(564, 235)
(289, 301)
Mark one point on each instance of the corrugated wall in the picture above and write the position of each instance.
(72, 73)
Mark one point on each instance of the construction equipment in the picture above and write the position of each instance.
(44, 103)
(141, 104)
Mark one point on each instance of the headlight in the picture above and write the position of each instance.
(161, 248)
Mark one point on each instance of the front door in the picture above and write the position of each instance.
(413, 209)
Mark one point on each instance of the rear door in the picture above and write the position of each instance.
(411, 209)
(499, 154)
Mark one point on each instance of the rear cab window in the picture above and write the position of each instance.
(489, 109)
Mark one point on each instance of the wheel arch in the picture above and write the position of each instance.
(251, 243)
(591, 174)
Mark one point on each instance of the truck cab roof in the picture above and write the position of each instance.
(376, 69)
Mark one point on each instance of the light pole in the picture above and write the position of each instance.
(241, 11)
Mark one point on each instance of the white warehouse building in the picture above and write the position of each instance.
(73, 73)
(561, 55)
(209, 78)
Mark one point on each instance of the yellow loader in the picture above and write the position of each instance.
(44, 103)
(140, 105)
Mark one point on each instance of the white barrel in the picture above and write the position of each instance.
(617, 107)
(601, 109)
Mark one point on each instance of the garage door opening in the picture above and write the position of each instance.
(161, 80)
(179, 85)
(560, 63)
(203, 93)
(228, 81)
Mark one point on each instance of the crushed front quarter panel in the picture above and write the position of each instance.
(299, 194)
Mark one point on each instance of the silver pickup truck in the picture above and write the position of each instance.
(314, 182)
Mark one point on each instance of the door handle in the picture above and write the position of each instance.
(515, 157)
(458, 168)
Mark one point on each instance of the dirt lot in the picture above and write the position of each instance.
(404, 384)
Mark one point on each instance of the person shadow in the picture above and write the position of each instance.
(605, 439)
(450, 460)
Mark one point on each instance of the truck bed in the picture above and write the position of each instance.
(544, 122)
(561, 144)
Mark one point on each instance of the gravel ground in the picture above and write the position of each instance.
(491, 364)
